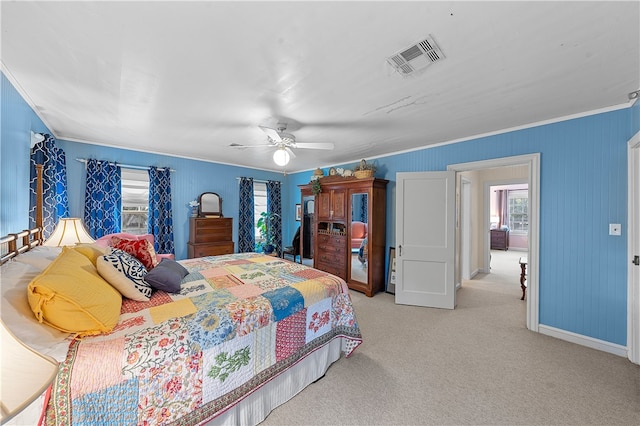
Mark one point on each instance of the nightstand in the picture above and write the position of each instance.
(499, 239)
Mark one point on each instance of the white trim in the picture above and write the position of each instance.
(581, 340)
(633, 248)
(465, 230)
(533, 163)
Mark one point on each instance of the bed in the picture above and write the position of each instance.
(244, 334)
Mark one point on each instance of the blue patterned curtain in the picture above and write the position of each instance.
(246, 234)
(102, 198)
(54, 184)
(160, 210)
(363, 208)
(274, 206)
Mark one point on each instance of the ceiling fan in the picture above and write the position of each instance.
(285, 143)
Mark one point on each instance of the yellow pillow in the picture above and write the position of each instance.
(91, 251)
(71, 296)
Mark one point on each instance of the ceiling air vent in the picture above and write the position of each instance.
(416, 57)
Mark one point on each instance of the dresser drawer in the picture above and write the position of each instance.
(207, 230)
(331, 258)
(332, 239)
(211, 249)
(332, 249)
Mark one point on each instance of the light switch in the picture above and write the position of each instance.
(615, 229)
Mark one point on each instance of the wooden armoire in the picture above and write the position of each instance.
(343, 201)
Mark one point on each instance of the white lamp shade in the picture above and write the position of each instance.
(281, 157)
(26, 374)
(69, 231)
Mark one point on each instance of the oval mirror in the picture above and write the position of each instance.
(210, 205)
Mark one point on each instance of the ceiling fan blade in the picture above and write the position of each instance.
(314, 145)
(290, 152)
(238, 145)
(272, 133)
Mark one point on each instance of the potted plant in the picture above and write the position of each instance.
(264, 227)
(316, 187)
(364, 170)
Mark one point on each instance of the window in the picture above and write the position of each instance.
(259, 206)
(519, 211)
(135, 201)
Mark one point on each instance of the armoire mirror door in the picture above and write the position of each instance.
(307, 226)
(359, 237)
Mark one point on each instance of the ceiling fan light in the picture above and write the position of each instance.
(281, 157)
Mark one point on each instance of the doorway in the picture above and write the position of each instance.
(481, 249)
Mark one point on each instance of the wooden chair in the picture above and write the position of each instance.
(294, 249)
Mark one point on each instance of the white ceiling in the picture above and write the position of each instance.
(191, 78)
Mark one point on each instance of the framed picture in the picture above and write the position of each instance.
(298, 212)
(391, 278)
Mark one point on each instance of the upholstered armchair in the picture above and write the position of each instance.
(358, 234)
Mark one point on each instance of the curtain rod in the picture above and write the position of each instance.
(260, 180)
(126, 166)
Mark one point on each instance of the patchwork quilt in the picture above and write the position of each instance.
(239, 321)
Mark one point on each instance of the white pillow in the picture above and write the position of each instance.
(125, 273)
(40, 256)
(18, 316)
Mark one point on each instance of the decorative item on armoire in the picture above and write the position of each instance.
(316, 188)
(364, 170)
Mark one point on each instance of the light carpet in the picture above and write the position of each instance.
(477, 364)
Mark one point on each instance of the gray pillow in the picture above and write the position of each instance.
(172, 264)
(166, 276)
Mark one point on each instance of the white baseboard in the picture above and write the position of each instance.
(579, 339)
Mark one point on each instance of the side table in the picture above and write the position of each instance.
(523, 275)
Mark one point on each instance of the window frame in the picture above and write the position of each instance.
(259, 206)
(518, 194)
(137, 180)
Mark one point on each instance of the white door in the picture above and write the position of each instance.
(425, 235)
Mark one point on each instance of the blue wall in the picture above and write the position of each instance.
(17, 120)
(190, 179)
(583, 188)
(583, 278)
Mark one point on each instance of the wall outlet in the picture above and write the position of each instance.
(615, 229)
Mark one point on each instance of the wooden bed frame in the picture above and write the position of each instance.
(12, 245)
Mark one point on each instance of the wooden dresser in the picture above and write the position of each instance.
(331, 249)
(210, 236)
